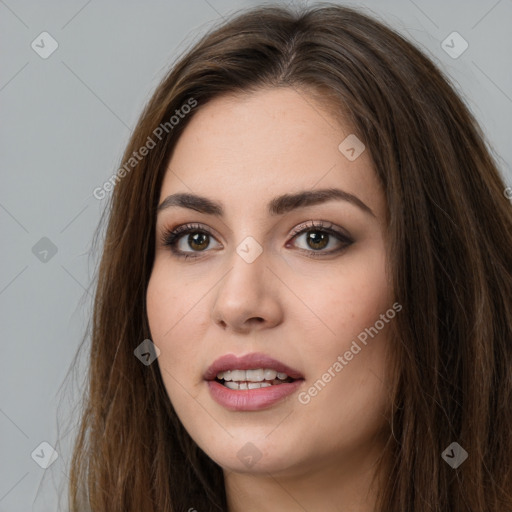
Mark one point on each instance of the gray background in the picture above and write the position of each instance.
(64, 123)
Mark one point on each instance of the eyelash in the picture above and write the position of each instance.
(170, 238)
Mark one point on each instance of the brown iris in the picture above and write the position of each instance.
(317, 237)
(198, 241)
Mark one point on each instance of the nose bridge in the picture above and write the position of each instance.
(247, 290)
(245, 279)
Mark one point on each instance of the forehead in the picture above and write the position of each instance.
(251, 147)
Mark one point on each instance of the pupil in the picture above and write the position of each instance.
(316, 237)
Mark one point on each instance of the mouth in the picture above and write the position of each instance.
(251, 382)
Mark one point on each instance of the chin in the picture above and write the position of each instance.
(254, 454)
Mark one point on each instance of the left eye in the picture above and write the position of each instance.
(319, 236)
(316, 239)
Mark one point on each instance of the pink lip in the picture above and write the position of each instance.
(250, 399)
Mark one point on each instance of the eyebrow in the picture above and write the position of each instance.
(277, 206)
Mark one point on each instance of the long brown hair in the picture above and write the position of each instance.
(449, 251)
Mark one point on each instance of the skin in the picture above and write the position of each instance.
(243, 150)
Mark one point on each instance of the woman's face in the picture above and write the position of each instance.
(297, 281)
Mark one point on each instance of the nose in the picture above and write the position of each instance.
(248, 296)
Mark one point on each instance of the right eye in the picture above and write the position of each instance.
(198, 239)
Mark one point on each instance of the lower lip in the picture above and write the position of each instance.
(251, 399)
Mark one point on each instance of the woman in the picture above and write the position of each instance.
(304, 296)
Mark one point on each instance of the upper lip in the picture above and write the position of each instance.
(249, 362)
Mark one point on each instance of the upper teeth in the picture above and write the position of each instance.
(251, 375)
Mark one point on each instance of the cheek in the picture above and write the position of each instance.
(163, 308)
(174, 320)
(173, 302)
(353, 307)
(345, 302)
